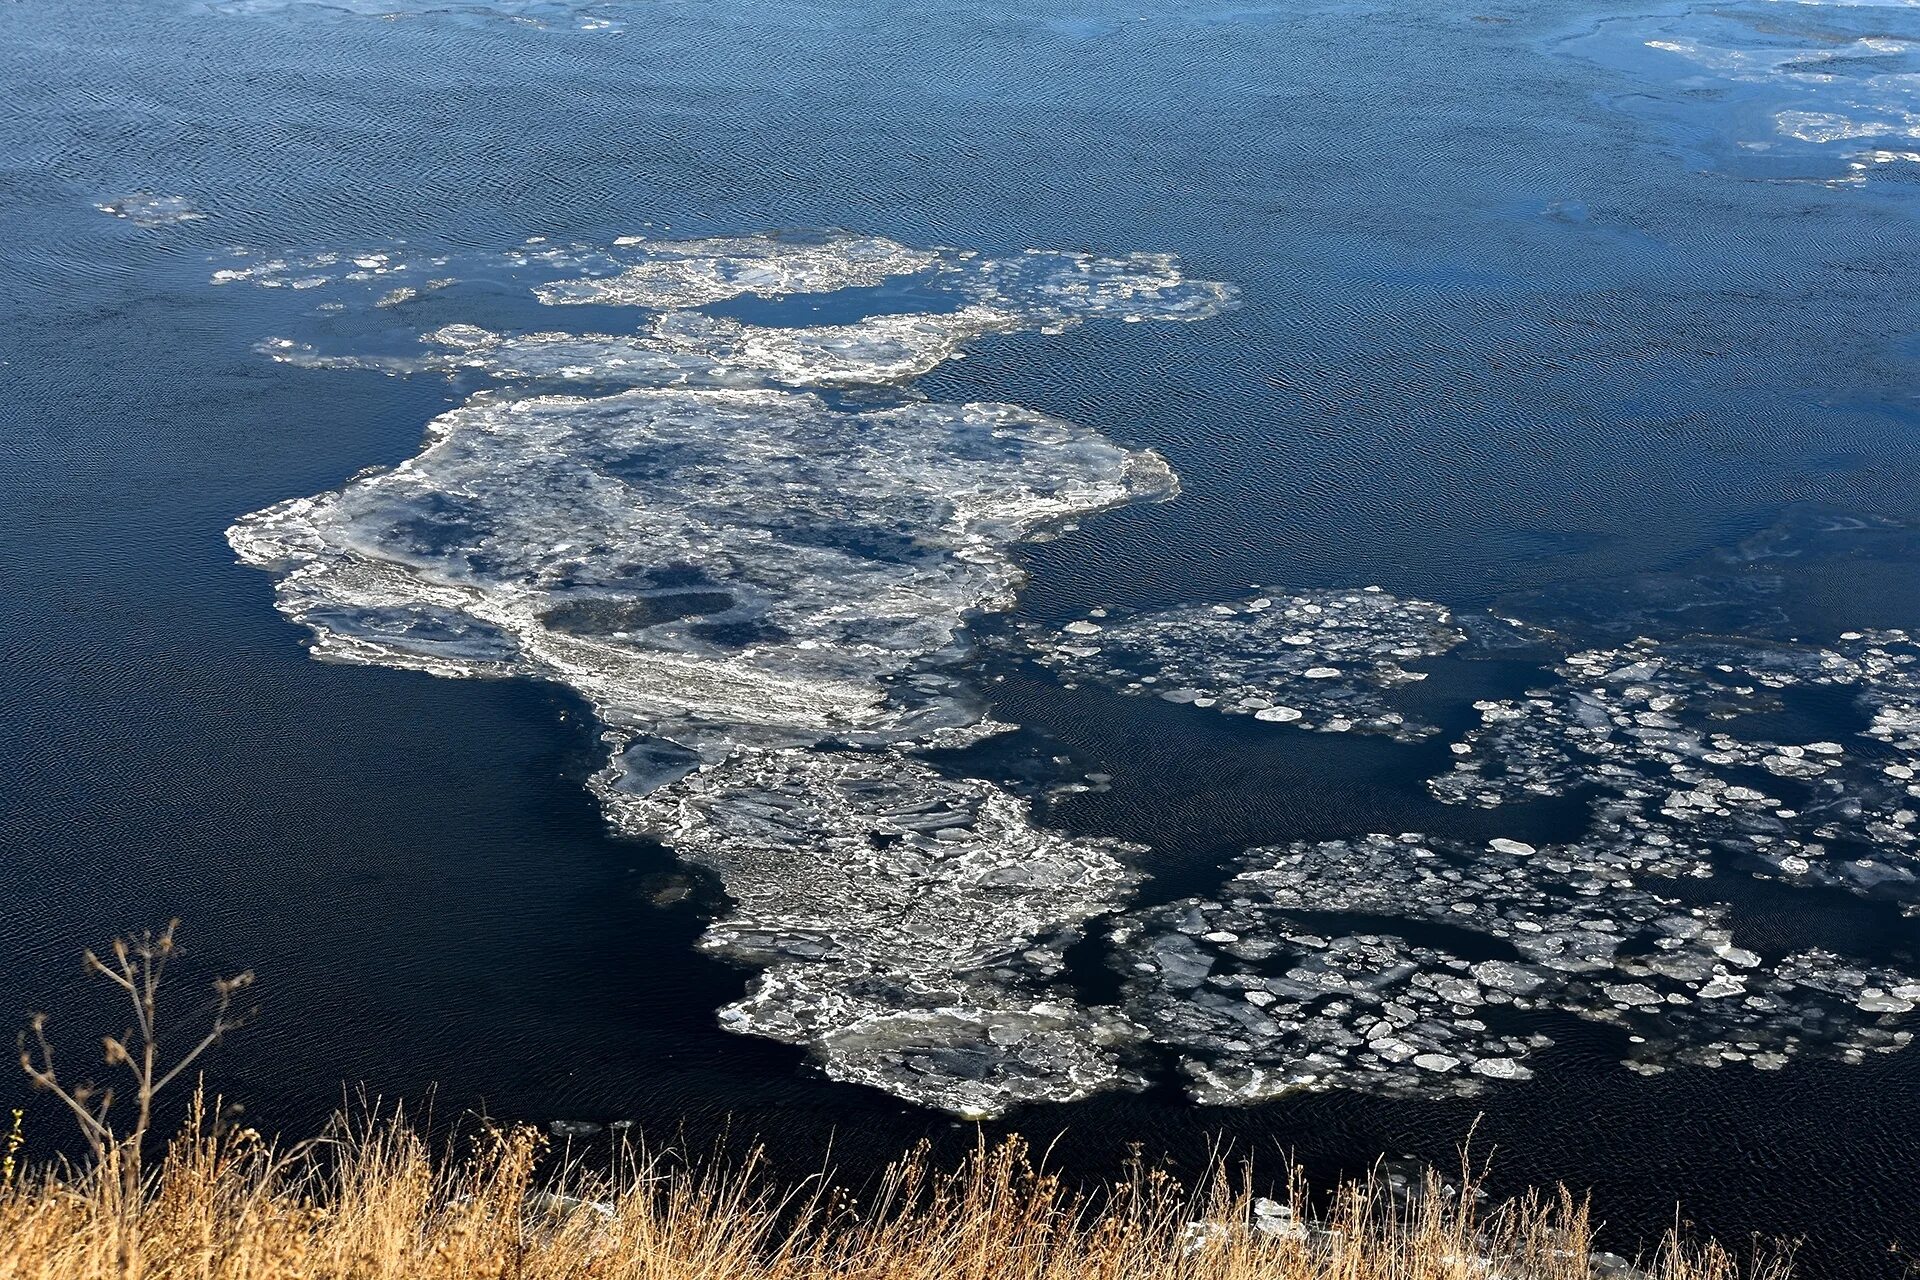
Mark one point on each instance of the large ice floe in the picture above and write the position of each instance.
(757, 590)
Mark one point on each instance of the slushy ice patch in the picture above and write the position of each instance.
(759, 591)
(966, 297)
(690, 348)
(670, 275)
(145, 209)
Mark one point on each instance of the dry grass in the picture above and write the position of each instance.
(376, 1203)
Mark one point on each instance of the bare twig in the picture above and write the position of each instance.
(137, 966)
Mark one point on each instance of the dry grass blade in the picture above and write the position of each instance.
(372, 1202)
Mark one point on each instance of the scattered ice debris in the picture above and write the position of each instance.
(317, 270)
(1396, 964)
(1660, 732)
(145, 209)
(759, 590)
(1321, 660)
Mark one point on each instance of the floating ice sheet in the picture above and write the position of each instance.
(1050, 287)
(1322, 660)
(967, 297)
(758, 589)
(672, 274)
(699, 561)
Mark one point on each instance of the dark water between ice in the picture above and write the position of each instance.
(1606, 314)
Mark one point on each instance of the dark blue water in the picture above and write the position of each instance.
(1533, 313)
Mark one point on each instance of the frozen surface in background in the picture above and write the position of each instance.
(756, 589)
(1825, 89)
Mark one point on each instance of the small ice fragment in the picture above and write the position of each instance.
(1875, 1000)
(1500, 1069)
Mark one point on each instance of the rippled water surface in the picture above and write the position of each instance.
(1308, 573)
